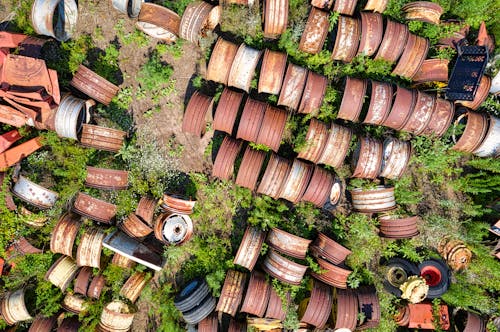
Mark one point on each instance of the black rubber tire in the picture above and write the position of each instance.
(201, 311)
(410, 269)
(191, 295)
(444, 284)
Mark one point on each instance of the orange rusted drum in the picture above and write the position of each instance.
(94, 208)
(372, 30)
(102, 138)
(315, 32)
(347, 309)
(326, 248)
(319, 307)
(283, 269)
(347, 39)
(224, 162)
(232, 292)
(337, 146)
(250, 168)
(196, 110)
(272, 72)
(227, 110)
(274, 177)
(243, 67)
(104, 178)
(275, 18)
(288, 244)
(314, 93)
(333, 275)
(249, 249)
(319, 190)
(393, 42)
(316, 139)
(158, 22)
(380, 103)
(93, 85)
(272, 127)
(296, 181)
(64, 234)
(367, 158)
(293, 86)
(221, 60)
(251, 120)
(352, 99)
(424, 11)
(257, 295)
(413, 56)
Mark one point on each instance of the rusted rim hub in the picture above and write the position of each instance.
(431, 274)
(396, 276)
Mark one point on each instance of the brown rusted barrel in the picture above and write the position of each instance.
(376, 5)
(481, 94)
(455, 252)
(347, 39)
(82, 280)
(315, 32)
(288, 244)
(336, 147)
(249, 249)
(227, 110)
(316, 139)
(393, 42)
(13, 307)
(414, 54)
(177, 204)
(274, 177)
(257, 295)
(422, 113)
(122, 261)
(173, 228)
(398, 228)
(490, 146)
(243, 67)
(293, 86)
(372, 30)
(367, 158)
(347, 309)
(275, 306)
(146, 209)
(102, 138)
(224, 162)
(221, 60)
(402, 108)
(209, 324)
(272, 72)
(283, 269)
(135, 227)
(104, 178)
(345, 7)
(352, 99)
(251, 120)
(94, 208)
(232, 292)
(64, 234)
(330, 250)
(34, 194)
(93, 85)
(275, 18)
(134, 285)
(96, 285)
(116, 316)
(74, 303)
(194, 21)
(476, 126)
(69, 324)
(432, 70)
(62, 272)
(272, 127)
(22, 246)
(441, 118)
(250, 168)
(314, 93)
(424, 11)
(319, 307)
(196, 110)
(402, 317)
(322, 4)
(43, 324)
(369, 306)
(373, 200)
(319, 189)
(396, 156)
(380, 103)
(89, 249)
(296, 181)
(158, 22)
(333, 275)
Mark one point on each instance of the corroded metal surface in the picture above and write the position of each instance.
(402, 317)
(272, 127)
(456, 253)
(490, 146)
(372, 30)
(13, 307)
(315, 32)
(221, 60)
(288, 244)
(64, 234)
(19, 152)
(481, 94)
(336, 147)
(235, 326)
(314, 92)
(93, 85)
(74, 303)
(116, 316)
(347, 309)
(424, 11)
(319, 307)
(316, 139)
(62, 272)
(131, 8)
(275, 306)
(71, 114)
(432, 70)
(441, 118)
(352, 99)
(122, 261)
(135, 227)
(396, 228)
(347, 39)
(421, 316)
(250, 168)
(376, 5)
(243, 67)
(393, 42)
(319, 188)
(249, 249)
(102, 138)
(396, 156)
(23, 247)
(172, 228)
(227, 110)
(275, 18)
(55, 18)
(146, 209)
(69, 324)
(322, 4)
(196, 110)
(194, 21)
(369, 306)
(345, 7)
(177, 204)
(293, 86)
(413, 56)
(257, 295)
(330, 250)
(224, 162)
(272, 72)
(232, 292)
(134, 285)
(43, 324)
(296, 181)
(283, 269)
(422, 113)
(96, 285)
(274, 177)
(159, 22)
(82, 280)
(475, 323)
(332, 275)
(380, 103)
(402, 108)
(94, 208)
(251, 120)
(367, 158)
(104, 178)
(34, 194)
(209, 324)
(89, 249)
(373, 200)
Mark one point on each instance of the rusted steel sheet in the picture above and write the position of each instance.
(396, 156)
(476, 126)
(74, 303)
(422, 113)
(257, 295)
(422, 316)
(402, 108)
(316, 139)
(227, 110)
(146, 209)
(319, 307)
(94, 208)
(314, 92)
(43, 324)
(23, 247)
(345, 7)
(134, 285)
(102, 138)
(315, 32)
(22, 71)
(224, 162)
(194, 21)
(45, 14)
(481, 94)
(424, 11)
(34, 194)
(490, 146)
(332, 275)
(249, 249)
(393, 42)
(243, 67)
(159, 22)
(177, 204)
(336, 147)
(441, 118)
(104, 178)
(64, 234)
(116, 316)
(196, 110)
(135, 227)
(221, 61)
(380, 103)
(352, 99)
(455, 252)
(9, 138)
(251, 120)
(275, 306)
(288, 244)
(296, 181)
(413, 56)
(172, 228)
(232, 292)
(373, 200)
(96, 285)
(89, 249)
(322, 4)
(369, 305)
(367, 158)
(398, 228)
(71, 114)
(293, 86)
(274, 177)
(93, 85)
(372, 29)
(82, 280)
(347, 309)
(209, 324)
(62, 272)
(347, 39)
(275, 18)
(376, 5)
(13, 307)
(272, 127)
(250, 168)
(13, 117)
(272, 72)
(131, 8)
(330, 250)
(474, 323)
(319, 189)
(432, 70)
(122, 261)
(283, 269)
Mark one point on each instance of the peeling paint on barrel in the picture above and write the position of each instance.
(287, 243)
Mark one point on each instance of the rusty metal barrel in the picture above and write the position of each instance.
(315, 31)
(372, 30)
(82, 280)
(476, 127)
(122, 261)
(455, 252)
(243, 67)
(13, 307)
(134, 285)
(272, 72)
(347, 39)
(319, 307)
(393, 42)
(402, 108)
(196, 110)
(94, 208)
(257, 295)
(424, 11)
(132, 8)
(232, 292)
(135, 227)
(422, 113)
(96, 286)
(174, 203)
(490, 146)
(316, 139)
(396, 156)
(250, 168)
(293, 86)
(116, 317)
(414, 54)
(275, 305)
(71, 114)
(226, 156)
(221, 61)
(287, 243)
(249, 249)
(334, 275)
(194, 21)
(158, 22)
(54, 18)
(283, 269)
(369, 305)
(380, 103)
(352, 99)
(275, 18)
(398, 228)
(320, 187)
(102, 138)
(275, 176)
(64, 234)
(62, 272)
(432, 70)
(272, 127)
(441, 118)
(251, 120)
(336, 147)
(367, 158)
(227, 110)
(345, 7)
(378, 6)
(378, 199)
(146, 209)
(43, 324)
(34, 194)
(104, 178)
(94, 85)
(173, 228)
(89, 249)
(74, 303)
(314, 93)
(296, 182)
(330, 250)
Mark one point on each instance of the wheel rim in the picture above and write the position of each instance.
(431, 274)
(396, 276)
